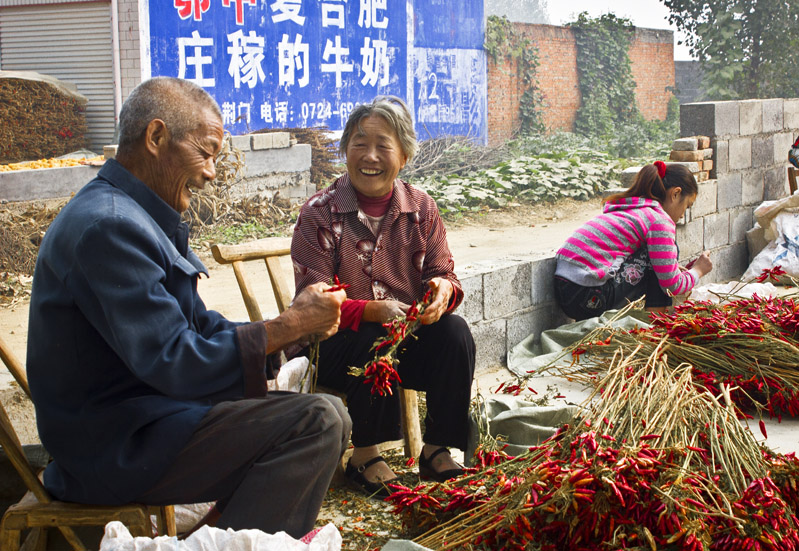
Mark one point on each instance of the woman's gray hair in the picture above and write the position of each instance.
(175, 101)
(394, 111)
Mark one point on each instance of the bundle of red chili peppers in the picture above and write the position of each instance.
(750, 344)
(381, 372)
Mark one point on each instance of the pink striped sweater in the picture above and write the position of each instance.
(593, 254)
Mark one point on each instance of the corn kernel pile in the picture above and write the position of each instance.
(49, 163)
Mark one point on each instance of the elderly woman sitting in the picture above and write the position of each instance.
(385, 239)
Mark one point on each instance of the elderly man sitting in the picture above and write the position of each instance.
(143, 395)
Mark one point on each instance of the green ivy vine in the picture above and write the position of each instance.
(605, 74)
(502, 40)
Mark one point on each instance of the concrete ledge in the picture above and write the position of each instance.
(269, 171)
(270, 161)
(44, 183)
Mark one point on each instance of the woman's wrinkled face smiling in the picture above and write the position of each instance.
(374, 157)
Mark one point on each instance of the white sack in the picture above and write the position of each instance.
(118, 538)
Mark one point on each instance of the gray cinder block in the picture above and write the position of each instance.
(717, 230)
(740, 153)
(269, 161)
(729, 262)
(241, 142)
(542, 278)
(507, 289)
(534, 322)
(710, 119)
(790, 114)
(261, 141)
(727, 118)
(705, 202)
(693, 167)
(698, 118)
(628, 175)
(490, 338)
(763, 151)
(691, 239)
(729, 191)
(281, 140)
(751, 117)
(685, 144)
(773, 112)
(471, 309)
(721, 158)
(741, 221)
(755, 241)
(776, 184)
(782, 143)
(752, 187)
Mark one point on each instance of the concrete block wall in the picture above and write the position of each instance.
(750, 141)
(505, 302)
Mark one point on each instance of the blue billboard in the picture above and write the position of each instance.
(289, 63)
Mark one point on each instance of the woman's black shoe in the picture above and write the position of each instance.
(377, 490)
(426, 468)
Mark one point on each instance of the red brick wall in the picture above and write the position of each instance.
(652, 58)
(651, 55)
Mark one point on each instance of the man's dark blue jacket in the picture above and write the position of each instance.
(123, 358)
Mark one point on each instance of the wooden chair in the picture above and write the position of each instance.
(270, 250)
(793, 173)
(38, 511)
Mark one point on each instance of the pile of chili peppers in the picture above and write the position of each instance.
(381, 372)
(590, 494)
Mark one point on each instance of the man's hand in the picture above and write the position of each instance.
(442, 293)
(315, 312)
(382, 311)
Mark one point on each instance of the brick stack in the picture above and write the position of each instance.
(695, 154)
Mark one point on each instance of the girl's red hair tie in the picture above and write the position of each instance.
(661, 166)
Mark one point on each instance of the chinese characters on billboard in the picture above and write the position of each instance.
(289, 63)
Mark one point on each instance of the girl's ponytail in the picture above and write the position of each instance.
(653, 180)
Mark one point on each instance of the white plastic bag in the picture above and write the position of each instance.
(783, 247)
(290, 376)
(711, 291)
(118, 538)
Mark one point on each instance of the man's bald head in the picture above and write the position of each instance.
(175, 101)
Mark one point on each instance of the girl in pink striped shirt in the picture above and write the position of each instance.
(629, 250)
